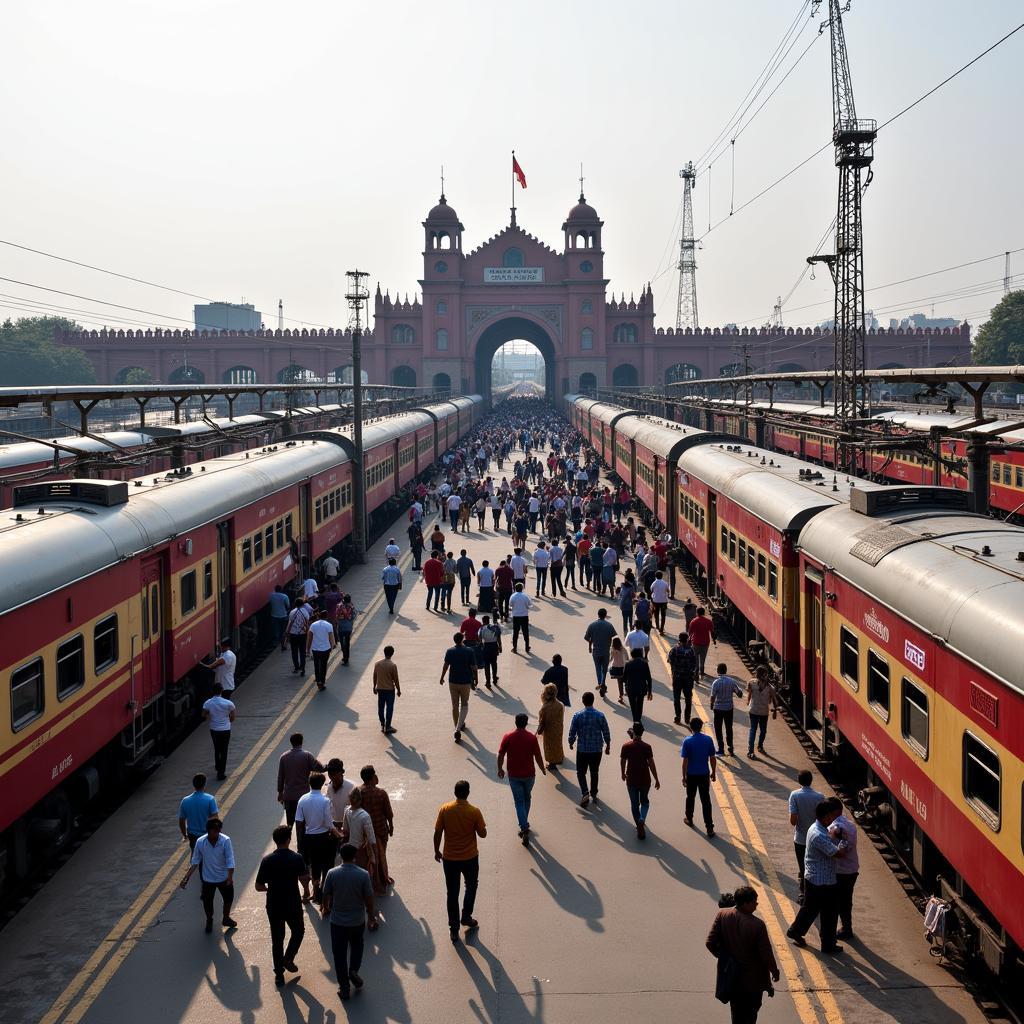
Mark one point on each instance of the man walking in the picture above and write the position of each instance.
(699, 768)
(558, 674)
(454, 503)
(220, 713)
(391, 577)
(761, 700)
(433, 577)
(803, 804)
(702, 636)
(293, 770)
(298, 625)
(523, 752)
(490, 638)
(387, 687)
(636, 759)
(316, 832)
(637, 682)
(590, 728)
(821, 890)
(736, 933)
(599, 640)
(214, 856)
(519, 605)
(683, 664)
(459, 824)
(847, 866)
(541, 561)
(348, 901)
(320, 642)
(723, 690)
(557, 554)
(465, 568)
(659, 600)
(224, 667)
(278, 876)
(195, 811)
(377, 804)
(462, 663)
(280, 606)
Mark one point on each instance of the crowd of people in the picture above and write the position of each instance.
(565, 530)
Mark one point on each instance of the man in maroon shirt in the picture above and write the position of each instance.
(702, 635)
(433, 577)
(523, 752)
(637, 763)
(504, 585)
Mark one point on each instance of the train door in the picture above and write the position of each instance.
(305, 529)
(225, 573)
(711, 583)
(150, 675)
(814, 656)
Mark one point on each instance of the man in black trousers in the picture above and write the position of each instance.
(279, 875)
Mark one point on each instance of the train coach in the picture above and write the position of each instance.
(115, 591)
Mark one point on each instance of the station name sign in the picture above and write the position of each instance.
(513, 275)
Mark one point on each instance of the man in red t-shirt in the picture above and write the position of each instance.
(504, 585)
(433, 577)
(523, 752)
(637, 764)
(471, 627)
(702, 633)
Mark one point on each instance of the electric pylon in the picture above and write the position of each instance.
(686, 305)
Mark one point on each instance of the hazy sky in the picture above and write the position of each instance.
(258, 150)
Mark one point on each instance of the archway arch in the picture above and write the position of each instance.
(343, 375)
(790, 368)
(512, 328)
(625, 376)
(683, 371)
(133, 375)
(186, 375)
(403, 377)
(588, 384)
(442, 382)
(295, 374)
(240, 375)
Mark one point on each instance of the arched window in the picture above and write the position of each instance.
(402, 334)
(682, 371)
(512, 257)
(239, 375)
(586, 338)
(186, 375)
(624, 334)
(441, 340)
(444, 240)
(442, 307)
(625, 376)
(588, 383)
(403, 377)
(586, 306)
(442, 382)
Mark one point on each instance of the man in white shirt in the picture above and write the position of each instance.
(517, 563)
(847, 866)
(454, 503)
(310, 589)
(519, 605)
(320, 642)
(392, 550)
(557, 553)
(638, 640)
(338, 789)
(224, 668)
(315, 831)
(331, 568)
(220, 713)
(659, 598)
(541, 561)
(214, 856)
(534, 509)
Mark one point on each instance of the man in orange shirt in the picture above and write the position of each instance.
(459, 823)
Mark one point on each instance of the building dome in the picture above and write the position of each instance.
(443, 213)
(582, 213)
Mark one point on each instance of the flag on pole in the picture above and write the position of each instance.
(518, 171)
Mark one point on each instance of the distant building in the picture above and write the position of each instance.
(228, 316)
(920, 320)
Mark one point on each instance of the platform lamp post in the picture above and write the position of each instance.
(355, 296)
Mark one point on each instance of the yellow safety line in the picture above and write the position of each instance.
(119, 942)
(760, 869)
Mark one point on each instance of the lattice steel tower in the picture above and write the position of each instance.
(686, 304)
(854, 151)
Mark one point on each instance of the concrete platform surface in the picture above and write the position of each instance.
(588, 924)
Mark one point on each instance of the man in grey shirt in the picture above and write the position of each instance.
(348, 898)
(803, 804)
(599, 636)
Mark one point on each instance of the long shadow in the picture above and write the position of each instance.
(499, 997)
(477, 754)
(314, 1011)
(409, 758)
(236, 989)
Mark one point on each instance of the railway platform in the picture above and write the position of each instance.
(589, 923)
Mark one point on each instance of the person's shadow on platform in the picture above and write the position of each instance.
(573, 893)
(409, 758)
(500, 998)
(237, 989)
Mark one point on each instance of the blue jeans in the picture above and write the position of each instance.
(627, 619)
(521, 790)
(601, 667)
(757, 722)
(385, 706)
(435, 593)
(639, 802)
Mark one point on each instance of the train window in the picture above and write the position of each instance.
(762, 572)
(773, 580)
(751, 562)
(26, 694)
(207, 580)
(257, 547)
(70, 666)
(878, 684)
(317, 515)
(995, 472)
(279, 526)
(104, 644)
(1007, 473)
(188, 592)
(849, 656)
(982, 779)
(1018, 476)
(268, 541)
(742, 562)
(725, 540)
(732, 546)
(246, 555)
(700, 525)
(914, 716)
(145, 613)
(288, 527)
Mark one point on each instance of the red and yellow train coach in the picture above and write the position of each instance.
(912, 649)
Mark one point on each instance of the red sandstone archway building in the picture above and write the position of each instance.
(512, 286)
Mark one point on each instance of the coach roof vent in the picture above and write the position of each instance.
(890, 500)
(80, 492)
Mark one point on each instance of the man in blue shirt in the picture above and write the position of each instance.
(280, 606)
(391, 577)
(590, 727)
(723, 690)
(803, 804)
(462, 662)
(195, 810)
(214, 856)
(699, 766)
(821, 890)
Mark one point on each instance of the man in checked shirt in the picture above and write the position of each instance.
(589, 728)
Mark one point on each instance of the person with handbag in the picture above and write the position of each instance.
(746, 962)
